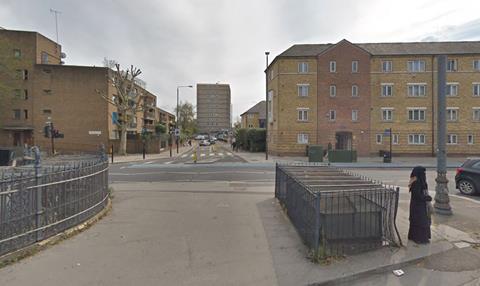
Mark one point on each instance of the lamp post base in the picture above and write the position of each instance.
(442, 201)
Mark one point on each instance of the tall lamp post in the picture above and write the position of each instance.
(442, 201)
(266, 106)
(176, 119)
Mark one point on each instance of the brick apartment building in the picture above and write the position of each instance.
(213, 108)
(348, 94)
(254, 117)
(38, 88)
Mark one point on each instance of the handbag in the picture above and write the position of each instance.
(429, 204)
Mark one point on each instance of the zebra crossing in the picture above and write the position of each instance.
(209, 154)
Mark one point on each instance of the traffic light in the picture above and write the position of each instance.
(171, 129)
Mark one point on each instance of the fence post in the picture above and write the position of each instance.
(397, 195)
(317, 222)
(39, 209)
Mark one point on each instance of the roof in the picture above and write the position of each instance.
(164, 111)
(379, 49)
(257, 108)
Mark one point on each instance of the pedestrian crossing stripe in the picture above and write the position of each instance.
(192, 155)
(220, 154)
(202, 155)
(185, 155)
(229, 154)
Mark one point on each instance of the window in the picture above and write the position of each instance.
(47, 111)
(354, 115)
(354, 66)
(476, 114)
(25, 74)
(452, 89)
(451, 65)
(416, 114)
(333, 90)
(332, 115)
(395, 139)
(354, 90)
(452, 114)
(303, 67)
(333, 66)
(44, 59)
(25, 94)
(416, 66)
(16, 114)
(302, 89)
(470, 139)
(302, 138)
(25, 113)
(476, 89)
(387, 114)
(387, 66)
(452, 139)
(416, 90)
(17, 93)
(302, 114)
(416, 139)
(17, 53)
(379, 138)
(476, 65)
(387, 89)
(270, 106)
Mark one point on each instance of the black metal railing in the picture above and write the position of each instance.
(336, 212)
(38, 202)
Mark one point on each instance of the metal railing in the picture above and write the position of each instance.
(41, 201)
(335, 212)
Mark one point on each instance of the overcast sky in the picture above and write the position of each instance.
(178, 42)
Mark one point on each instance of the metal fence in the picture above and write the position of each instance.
(38, 202)
(336, 212)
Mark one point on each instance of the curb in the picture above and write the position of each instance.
(141, 160)
(378, 270)
(30, 250)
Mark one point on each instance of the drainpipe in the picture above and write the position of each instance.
(433, 110)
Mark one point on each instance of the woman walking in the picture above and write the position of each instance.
(420, 221)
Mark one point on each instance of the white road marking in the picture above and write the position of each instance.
(192, 155)
(220, 154)
(123, 167)
(229, 154)
(146, 163)
(203, 155)
(184, 155)
(211, 154)
(170, 162)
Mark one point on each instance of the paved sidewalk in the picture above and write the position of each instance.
(139, 157)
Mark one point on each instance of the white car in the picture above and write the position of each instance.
(200, 137)
(204, 143)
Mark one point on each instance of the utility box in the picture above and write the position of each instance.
(315, 153)
(343, 156)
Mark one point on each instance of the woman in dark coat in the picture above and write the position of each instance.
(420, 221)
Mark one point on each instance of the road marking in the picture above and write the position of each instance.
(185, 155)
(203, 155)
(146, 163)
(229, 154)
(220, 154)
(211, 154)
(170, 162)
(192, 155)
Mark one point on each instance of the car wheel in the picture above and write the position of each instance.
(466, 187)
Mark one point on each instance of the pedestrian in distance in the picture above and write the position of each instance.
(420, 207)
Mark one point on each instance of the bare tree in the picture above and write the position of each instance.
(128, 100)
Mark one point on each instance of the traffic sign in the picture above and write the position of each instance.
(177, 132)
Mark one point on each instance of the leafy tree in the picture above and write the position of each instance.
(186, 118)
(160, 129)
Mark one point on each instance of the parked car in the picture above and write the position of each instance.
(200, 137)
(212, 140)
(204, 143)
(467, 179)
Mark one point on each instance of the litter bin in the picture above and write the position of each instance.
(315, 153)
(387, 157)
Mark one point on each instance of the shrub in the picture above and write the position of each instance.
(252, 140)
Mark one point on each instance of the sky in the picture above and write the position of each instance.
(185, 42)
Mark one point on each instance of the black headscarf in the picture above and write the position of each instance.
(419, 173)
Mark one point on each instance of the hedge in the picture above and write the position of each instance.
(251, 139)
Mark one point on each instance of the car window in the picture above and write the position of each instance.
(476, 165)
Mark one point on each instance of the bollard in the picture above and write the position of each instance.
(112, 153)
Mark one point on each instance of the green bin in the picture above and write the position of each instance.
(315, 153)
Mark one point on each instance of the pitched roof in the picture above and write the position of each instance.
(257, 108)
(381, 49)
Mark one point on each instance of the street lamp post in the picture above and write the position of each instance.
(266, 106)
(442, 201)
(176, 119)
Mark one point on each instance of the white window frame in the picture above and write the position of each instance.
(302, 114)
(355, 66)
(395, 139)
(333, 66)
(450, 140)
(302, 138)
(476, 65)
(270, 106)
(354, 115)
(414, 66)
(303, 89)
(333, 90)
(418, 136)
(452, 65)
(476, 114)
(421, 110)
(452, 89)
(386, 88)
(414, 89)
(476, 89)
(303, 67)
(452, 114)
(470, 139)
(387, 66)
(354, 90)
(330, 113)
(379, 138)
(387, 110)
